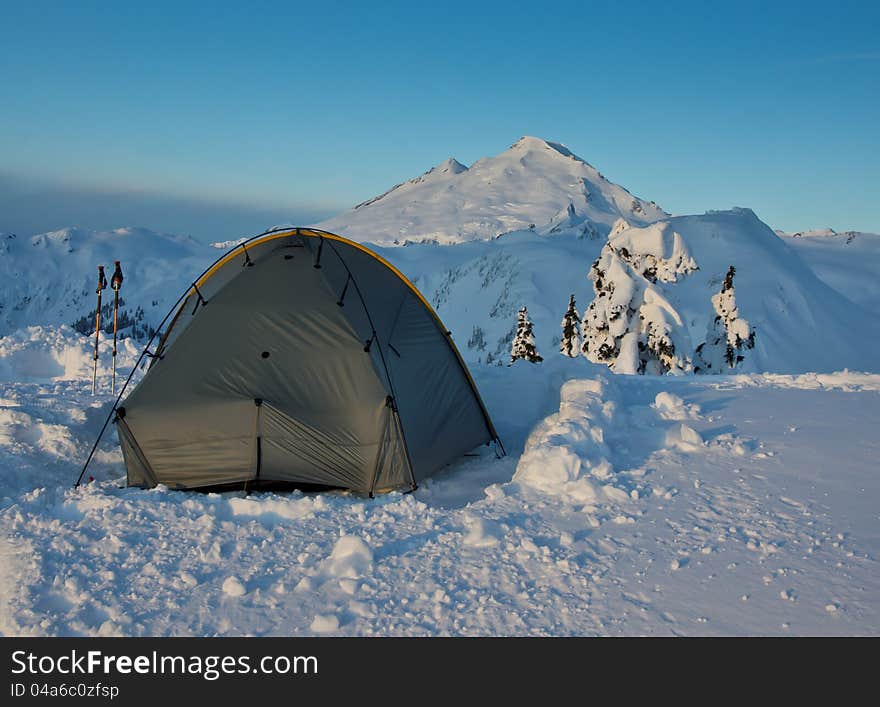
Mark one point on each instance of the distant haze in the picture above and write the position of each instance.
(29, 206)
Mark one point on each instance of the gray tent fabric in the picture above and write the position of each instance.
(301, 357)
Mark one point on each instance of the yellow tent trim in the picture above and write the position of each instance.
(317, 234)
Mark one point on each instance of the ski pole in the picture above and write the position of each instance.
(102, 285)
(116, 284)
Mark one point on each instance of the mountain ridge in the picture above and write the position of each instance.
(477, 286)
(525, 186)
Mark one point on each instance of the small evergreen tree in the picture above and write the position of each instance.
(570, 344)
(728, 335)
(477, 340)
(523, 346)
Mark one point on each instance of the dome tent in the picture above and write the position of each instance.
(301, 357)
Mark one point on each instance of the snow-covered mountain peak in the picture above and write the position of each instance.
(535, 152)
(743, 212)
(528, 143)
(534, 184)
(448, 166)
(62, 235)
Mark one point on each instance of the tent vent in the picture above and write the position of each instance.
(341, 300)
(201, 300)
(247, 258)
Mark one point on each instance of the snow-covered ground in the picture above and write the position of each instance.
(627, 505)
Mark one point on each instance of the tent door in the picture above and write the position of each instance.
(393, 469)
(139, 471)
(258, 437)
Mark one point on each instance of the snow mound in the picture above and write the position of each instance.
(672, 407)
(45, 353)
(482, 532)
(23, 432)
(232, 587)
(351, 557)
(324, 623)
(845, 380)
(566, 454)
(684, 438)
(276, 509)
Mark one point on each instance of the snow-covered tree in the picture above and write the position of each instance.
(523, 346)
(570, 344)
(729, 334)
(630, 325)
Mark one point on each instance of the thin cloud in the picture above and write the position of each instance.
(28, 206)
(839, 58)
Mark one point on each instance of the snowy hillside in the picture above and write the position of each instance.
(801, 323)
(848, 261)
(533, 183)
(51, 278)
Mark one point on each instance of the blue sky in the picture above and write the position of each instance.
(175, 114)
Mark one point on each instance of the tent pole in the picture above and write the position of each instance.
(375, 338)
